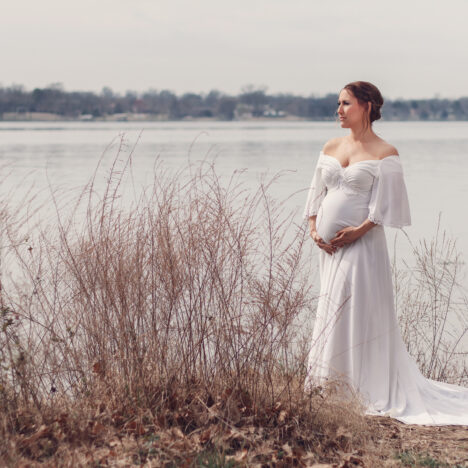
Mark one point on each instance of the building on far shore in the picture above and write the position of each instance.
(31, 116)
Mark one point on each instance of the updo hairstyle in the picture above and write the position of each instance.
(366, 92)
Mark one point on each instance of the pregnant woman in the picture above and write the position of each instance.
(357, 188)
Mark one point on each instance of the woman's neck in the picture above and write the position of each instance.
(361, 135)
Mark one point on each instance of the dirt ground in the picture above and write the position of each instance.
(432, 446)
(393, 444)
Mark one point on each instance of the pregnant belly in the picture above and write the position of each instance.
(339, 210)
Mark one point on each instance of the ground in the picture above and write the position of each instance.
(395, 444)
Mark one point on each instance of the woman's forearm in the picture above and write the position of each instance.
(367, 225)
(312, 223)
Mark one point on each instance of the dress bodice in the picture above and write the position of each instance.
(357, 178)
(372, 188)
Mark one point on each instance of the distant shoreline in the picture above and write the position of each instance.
(132, 117)
(53, 103)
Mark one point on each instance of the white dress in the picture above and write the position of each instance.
(356, 337)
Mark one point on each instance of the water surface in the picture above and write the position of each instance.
(434, 156)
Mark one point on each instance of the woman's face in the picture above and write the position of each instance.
(350, 111)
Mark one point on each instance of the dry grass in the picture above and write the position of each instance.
(432, 304)
(169, 330)
(181, 310)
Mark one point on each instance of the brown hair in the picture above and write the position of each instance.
(366, 92)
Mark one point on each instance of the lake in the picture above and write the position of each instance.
(434, 156)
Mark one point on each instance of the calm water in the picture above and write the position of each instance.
(434, 156)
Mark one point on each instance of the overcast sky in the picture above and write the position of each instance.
(408, 48)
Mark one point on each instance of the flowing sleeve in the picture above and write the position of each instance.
(317, 192)
(389, 204)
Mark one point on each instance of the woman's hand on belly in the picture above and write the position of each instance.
(317, 239)
(345, 236)
(350, 234)
(330, 249)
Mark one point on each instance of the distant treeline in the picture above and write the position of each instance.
(252, 101)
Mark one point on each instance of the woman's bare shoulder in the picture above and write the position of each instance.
(386, 149)
(331, 145)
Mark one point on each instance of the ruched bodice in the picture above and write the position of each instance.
(357, 178)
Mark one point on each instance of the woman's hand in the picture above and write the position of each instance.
(346, 236)
(350, 234)
(330, 249)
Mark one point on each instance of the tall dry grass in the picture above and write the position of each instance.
(182, 306)
(432, 303)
